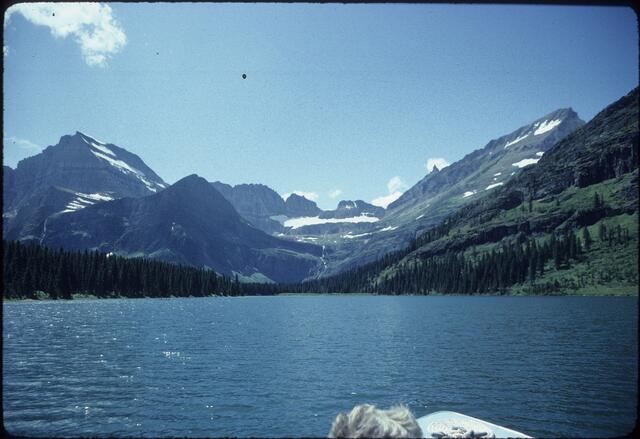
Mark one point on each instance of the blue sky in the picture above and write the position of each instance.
(341, 101)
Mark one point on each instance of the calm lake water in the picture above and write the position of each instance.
(285, 366)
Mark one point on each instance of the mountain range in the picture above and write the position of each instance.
(85, 194)
(77, 172)
(188, 223)
(568, 224)
(444, 191)
(266, 209)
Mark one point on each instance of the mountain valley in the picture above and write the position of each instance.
(83, 194)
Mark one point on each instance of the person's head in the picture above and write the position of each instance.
(367, 421)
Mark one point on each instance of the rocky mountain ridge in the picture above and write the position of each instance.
(78, 171)
(567, 225)
(42, 209)
(442, 192)
(266, 209)
(190, 223)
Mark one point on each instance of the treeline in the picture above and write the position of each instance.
(613, 161)
(33, 271)
(514, 263)
(521, 261)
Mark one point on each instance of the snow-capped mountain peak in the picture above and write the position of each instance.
(121, 160)
(77, 172)
(544, 126)
(96, 144)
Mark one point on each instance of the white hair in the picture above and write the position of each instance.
(367, 421)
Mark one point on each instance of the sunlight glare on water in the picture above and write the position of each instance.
(285, 366)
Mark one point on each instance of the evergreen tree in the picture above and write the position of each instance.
(602, 232)
(586, 238)
(597, 202)
(31, 268)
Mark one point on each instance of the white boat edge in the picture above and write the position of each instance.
(446, 417)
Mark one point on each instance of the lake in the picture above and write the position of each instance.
(285, 366)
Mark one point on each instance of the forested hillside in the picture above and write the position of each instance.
(567, 225)
(32, 271)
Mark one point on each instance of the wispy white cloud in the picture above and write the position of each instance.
(386, 200)
(335, 193)
(395, 186)
(313, 196)
(5, 50)
(92, 25)
(21, 143)
(436, 161)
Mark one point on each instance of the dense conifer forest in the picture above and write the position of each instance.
(32, 271)
(569, 225)
(522, 262)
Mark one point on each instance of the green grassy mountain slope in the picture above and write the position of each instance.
(443, 192)
(567, 225)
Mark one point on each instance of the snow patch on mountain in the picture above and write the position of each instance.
(122, 166)
(518, 139)
(98, 196)
(83, 200)
(539, 153)
(546, 126)
(97, 144)
(350, 236)
(350, 205)
(126, 169)
(103, 149)
(420, 216)
(99, 149)
(388, 228)
(491, 186)
(525, 162)
(306, 239)
(91, 138)
(296, 223)
(468, 194)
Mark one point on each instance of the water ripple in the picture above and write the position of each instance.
(285, 366)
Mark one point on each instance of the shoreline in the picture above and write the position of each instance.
(84, 297)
